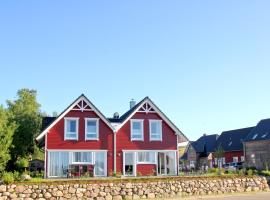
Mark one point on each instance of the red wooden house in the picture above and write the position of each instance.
(81, 141)
(232, 144)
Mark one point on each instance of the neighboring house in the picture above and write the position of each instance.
(199, 154)
(36, 165)
(231, 142)
(81, 141)
(257, 146)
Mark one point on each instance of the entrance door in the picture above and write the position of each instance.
(129, 164)
(161, 164)
(166, 163)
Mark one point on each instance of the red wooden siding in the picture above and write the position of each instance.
(169, 139)
(229, 156)
(146, 169)
(55, 136)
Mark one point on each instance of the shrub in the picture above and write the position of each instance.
(8, 177)
(17, 176)
(212, 170)
(241, 172)
(22, 164)
(265, 173)
(250, 172)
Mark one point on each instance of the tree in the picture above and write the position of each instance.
(6, 133)
(26, 114)
(218, 154)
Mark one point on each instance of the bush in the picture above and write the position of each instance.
(22, 164)
(265, 173)
(8, 177)
(250, 172)
(241, 172)
(17, 176)
(213, 170)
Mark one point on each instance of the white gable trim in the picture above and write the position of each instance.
(158, 111)
(43, 133)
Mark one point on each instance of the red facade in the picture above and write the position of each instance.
(229, 156)
(82, 109)
(123, 140)
(55, 137)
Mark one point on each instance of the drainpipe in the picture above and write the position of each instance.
(114, 151)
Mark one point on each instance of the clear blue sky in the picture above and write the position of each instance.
(206, 64)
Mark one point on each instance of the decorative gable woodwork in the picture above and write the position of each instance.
(146, 108)
(82, 106)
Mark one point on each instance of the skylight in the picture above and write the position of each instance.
(254, 137)
(264, 135)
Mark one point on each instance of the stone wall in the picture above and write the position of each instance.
(133, 188)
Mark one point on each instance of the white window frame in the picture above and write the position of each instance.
(97, 128)
(150, 126)
(235, 158)
(81, 163)
(131, 129)
(147, 162)
(77, 128)
(242, 158)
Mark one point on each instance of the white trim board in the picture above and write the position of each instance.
(82, 97)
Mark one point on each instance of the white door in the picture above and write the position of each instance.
(167, 163)
(129, 165)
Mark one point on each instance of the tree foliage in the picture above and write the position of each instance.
(25, 112)
(6, 133)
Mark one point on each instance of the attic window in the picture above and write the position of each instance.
(230, 143)
(254, 137)
(264, 135)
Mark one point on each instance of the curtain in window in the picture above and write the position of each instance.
(58, 163)
(100, 163)
(170, 159)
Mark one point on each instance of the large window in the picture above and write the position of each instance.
(82, 157)
(91, 129)
(71, 128)
(136, 129)
(155, 130)
(100, 164)
(58, 164)
(146, 157)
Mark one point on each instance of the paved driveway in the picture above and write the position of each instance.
(250, 196)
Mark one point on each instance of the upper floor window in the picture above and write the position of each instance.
(71, 128)
(91, 129)
(155, 130)
(136, 129)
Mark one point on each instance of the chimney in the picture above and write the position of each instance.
(132, 103)
(116, 115)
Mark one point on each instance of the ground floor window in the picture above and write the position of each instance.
(163, 162)
(76, 163)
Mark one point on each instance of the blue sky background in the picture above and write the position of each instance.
(206, 64)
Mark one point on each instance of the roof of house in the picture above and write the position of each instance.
(205, 144)
(233, 140)
(126, 114)
(49, 121)
(259, 132)
(46, 121)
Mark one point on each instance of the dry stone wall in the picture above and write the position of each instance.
(133, 189)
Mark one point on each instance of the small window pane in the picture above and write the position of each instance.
(137, 131)
(71, 126)
(91, 126)
(155, 130)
